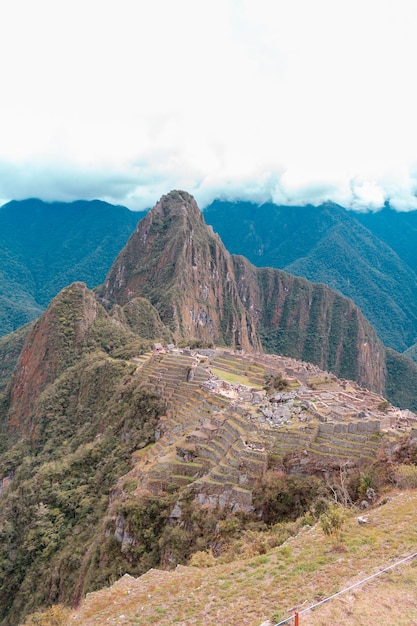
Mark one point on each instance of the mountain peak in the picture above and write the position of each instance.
(176, 203)
(53, 343)
(176, 261)
(202, 292)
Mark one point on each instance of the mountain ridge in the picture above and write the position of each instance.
(332, 245)
(370, 273)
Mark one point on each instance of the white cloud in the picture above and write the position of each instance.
(292, 101)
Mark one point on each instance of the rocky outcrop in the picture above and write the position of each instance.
(179, 264)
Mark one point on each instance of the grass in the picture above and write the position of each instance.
(306, 568)
(229, 377)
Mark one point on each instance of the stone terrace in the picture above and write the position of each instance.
(221, 428)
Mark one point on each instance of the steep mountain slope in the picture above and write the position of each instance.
(397, 228)
(202, 292)
(328, 244)
(87, 495)
(399, 231)
(411, 352)
(70, 418)
(46, 246)
(174, 260)
(10, 348)
(76, 410)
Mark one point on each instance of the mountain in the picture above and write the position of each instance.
(118, 455)
(46, 246)
(398, 229)
(10, 348)
(68, 428)
(202, 292)
(112, 464)
(334, 246)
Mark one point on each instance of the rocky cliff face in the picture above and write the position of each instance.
(311, 322)
(202, 292)
(182, 267)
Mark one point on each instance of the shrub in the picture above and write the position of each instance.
(279, 497)
(332, 521)
(405, 476)
(276, 383)
(55, 616)
(203, 558)
(384, 405)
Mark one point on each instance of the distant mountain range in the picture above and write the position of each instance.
(175, 280)
(46, 246)
(370, 257)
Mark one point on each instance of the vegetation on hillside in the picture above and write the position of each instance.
(10, 348)
(87, 415)
(46, 246)
(88, 424)
(75, 514)
(401, 381)
(272, 584)
(398, 229)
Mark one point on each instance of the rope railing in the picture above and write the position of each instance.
(296, 615)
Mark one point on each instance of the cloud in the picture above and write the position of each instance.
(295, 102)
(63, 182)
(138, 185)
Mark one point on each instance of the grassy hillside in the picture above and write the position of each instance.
(88, 422)
(90, 496)
(272, 583)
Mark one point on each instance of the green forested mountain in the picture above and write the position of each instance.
(86, 415)
(202, 292)
(46, 246)
(397, 228)
(329, 244)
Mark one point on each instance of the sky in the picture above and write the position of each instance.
(290, 101)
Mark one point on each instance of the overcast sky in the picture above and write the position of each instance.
(293, 101)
